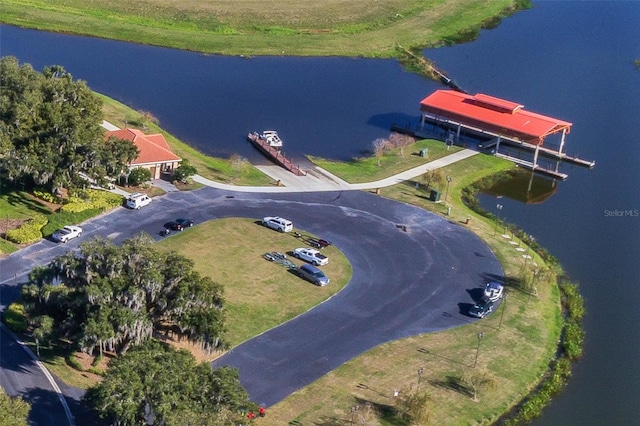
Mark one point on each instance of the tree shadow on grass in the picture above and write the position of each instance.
(384, 412)
(453, 383)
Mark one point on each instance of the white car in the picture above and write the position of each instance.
(311, 255)
(278, 223)
(493, 291)
(137, 200)
(67, 233)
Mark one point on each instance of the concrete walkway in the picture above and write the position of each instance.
(318, 179)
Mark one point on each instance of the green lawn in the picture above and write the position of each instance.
(268, 27)
(396, 160)
(259, 294)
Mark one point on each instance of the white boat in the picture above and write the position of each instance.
(272, 138)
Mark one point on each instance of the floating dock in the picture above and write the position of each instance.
(275, 154)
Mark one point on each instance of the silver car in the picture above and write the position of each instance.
(313, 274)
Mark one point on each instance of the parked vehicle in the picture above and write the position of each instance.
(482, 308)
(313, 274)
(138, 200)
(278, 223)
(493, 291)
(311, 255)
(66, 233)
(179, 224)
(185, 223)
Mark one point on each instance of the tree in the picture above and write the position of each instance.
(184, 171)
(413, 405)
(13, 411)
(434, 178)
(42, 331)
(157, 384)
(146, 118)
(138, 176)
(379, 146)
(113, 298)
(478, 380)
(237, 163)
(51, 127)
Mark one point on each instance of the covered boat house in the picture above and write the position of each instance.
(497, 121)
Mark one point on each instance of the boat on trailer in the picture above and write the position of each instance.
(270, 137)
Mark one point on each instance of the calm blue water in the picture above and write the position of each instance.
(571, 60)
(334, 107)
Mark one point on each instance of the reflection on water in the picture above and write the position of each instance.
(524, 186)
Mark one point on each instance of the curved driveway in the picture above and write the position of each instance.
(404, 282)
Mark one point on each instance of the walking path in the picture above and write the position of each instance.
(318, 179)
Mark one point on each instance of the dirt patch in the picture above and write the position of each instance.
(7, 224)
(194, 348)
(86, 362)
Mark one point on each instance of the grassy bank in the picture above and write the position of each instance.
(268, 27)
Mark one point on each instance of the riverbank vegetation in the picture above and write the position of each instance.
(269, 27)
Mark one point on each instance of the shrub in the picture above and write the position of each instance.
(573, 339)
(91, 199)
(15, 318)
(139, 175)
(186, 170)
(73, 362)
(45, 195)
(29, 231)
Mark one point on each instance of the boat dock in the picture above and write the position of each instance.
(493, 146)
(274, 154)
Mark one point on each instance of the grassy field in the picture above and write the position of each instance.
(268, 27)
(259, 294)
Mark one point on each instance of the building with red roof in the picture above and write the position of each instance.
(491, 115)
(154, 152)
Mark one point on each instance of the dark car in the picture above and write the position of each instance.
(179, 224)
(185, 223)
(481, 309)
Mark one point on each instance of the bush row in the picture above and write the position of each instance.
(29, 231)
(91, 199)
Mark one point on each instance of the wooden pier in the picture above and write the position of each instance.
(492, 146)
(275, 155)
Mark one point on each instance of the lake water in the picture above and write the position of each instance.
(571, 60)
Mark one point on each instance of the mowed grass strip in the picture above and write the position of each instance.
(259, 294)
(393, 161)
(268, 27)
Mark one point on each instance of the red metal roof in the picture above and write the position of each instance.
(492, 114)
(152, 148)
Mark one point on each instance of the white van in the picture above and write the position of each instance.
(137, 200)
(278, 223)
